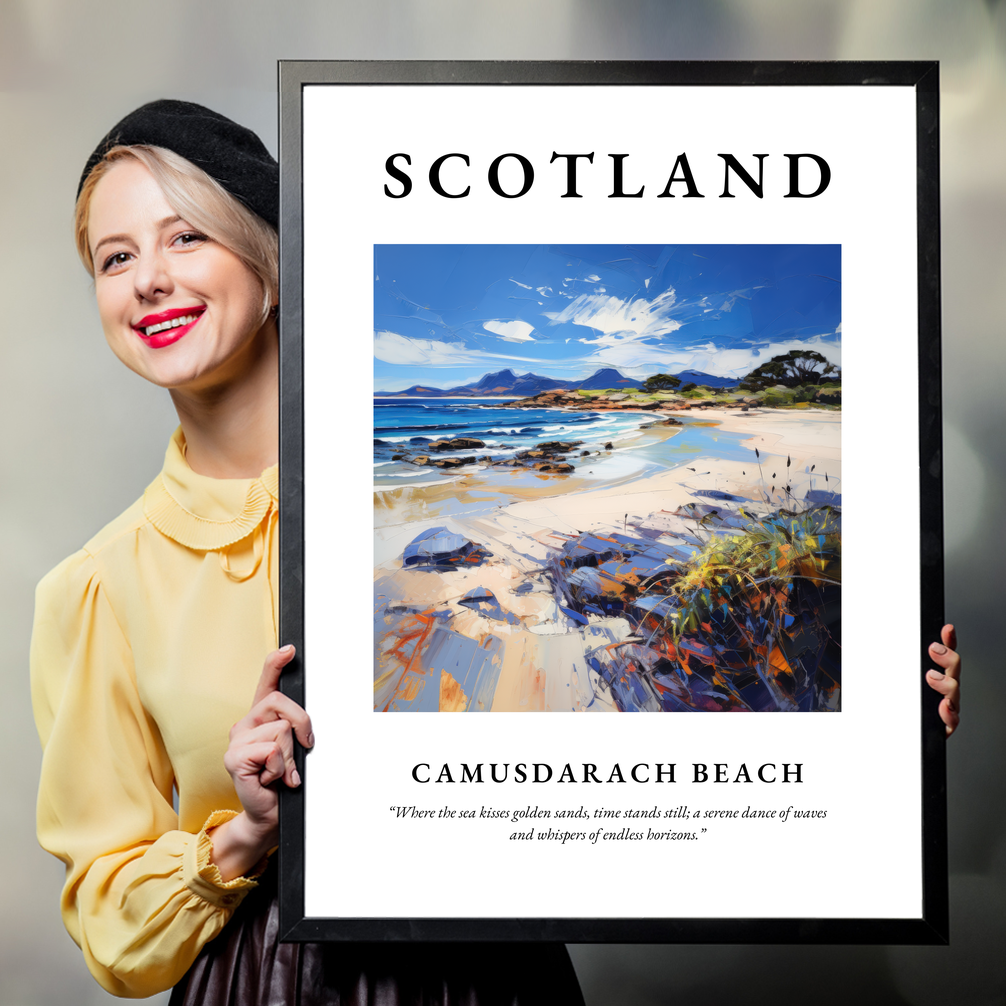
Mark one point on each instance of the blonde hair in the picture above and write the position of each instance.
(199, 200)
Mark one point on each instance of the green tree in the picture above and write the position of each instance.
(662, 382)
(798, 366)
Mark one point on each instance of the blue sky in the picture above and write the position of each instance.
(444, 315)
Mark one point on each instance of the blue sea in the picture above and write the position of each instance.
(409, 424)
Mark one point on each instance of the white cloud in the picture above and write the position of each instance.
(639, 359)
(592, 278)
(390, 347)
(620, 320)
(511, 331)
(545, 291)
(518, 282)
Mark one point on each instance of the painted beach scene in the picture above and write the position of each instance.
(607, 478)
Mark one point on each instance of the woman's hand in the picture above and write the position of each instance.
(260, 753)
(948, 681)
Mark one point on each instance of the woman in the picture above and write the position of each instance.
(148, 643)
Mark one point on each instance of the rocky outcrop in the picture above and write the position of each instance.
(561, 399)
(455, 444)
(548, 457)
(558, 446)
(439, 548)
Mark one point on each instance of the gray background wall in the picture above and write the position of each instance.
(82, 436)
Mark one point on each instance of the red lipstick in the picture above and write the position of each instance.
(166, 327)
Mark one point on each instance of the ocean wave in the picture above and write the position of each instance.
(497, 430)
(402, 475)
(414, 428)
(608, 429)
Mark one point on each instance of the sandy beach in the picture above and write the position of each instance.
(495, 635)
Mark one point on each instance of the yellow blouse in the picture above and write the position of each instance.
(147, 647)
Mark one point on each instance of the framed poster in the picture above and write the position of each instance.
(651, 356)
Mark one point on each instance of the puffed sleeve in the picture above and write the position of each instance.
(141, 898)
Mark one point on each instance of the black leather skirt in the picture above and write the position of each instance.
(246, 965)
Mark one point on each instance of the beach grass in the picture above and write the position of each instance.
(765, 599)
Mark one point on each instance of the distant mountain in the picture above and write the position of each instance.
(416, 391)
(490, 382)
(501, 383)
(607, 377)
(507, 383)
(709, 380)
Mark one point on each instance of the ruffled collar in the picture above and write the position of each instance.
(203, 513)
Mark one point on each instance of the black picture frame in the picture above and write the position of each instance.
(932, 925)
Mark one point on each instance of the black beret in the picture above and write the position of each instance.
(230, 154)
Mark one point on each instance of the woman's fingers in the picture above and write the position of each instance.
(261, 749)
(949, 660)
(950, 716)
(261, 761)
(278, 735)
(949, 688)
(274, 766)
(270, 703)
(949, 636)
(277, 706)
(271, 670)
(947, 680)
(946, 656)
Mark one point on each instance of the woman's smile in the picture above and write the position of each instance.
(167, 327)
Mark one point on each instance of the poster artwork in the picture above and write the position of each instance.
(607, 477)
(623, 459)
